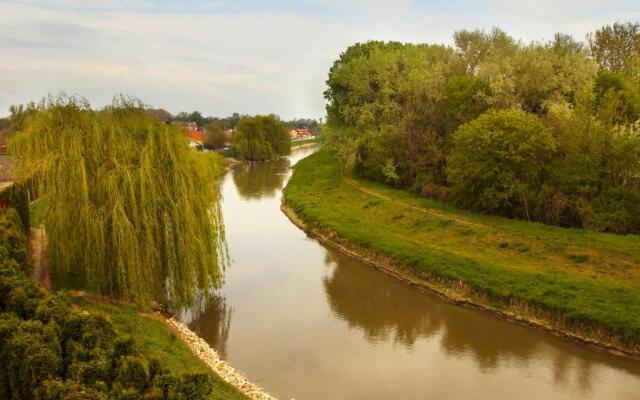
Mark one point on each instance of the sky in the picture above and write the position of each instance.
(251, 57)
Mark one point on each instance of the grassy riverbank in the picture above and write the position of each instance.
(155, 339)
(575, 280)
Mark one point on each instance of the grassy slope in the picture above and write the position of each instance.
(587, 279)
(155, 339)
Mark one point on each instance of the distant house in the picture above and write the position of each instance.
(302, 133)
(293, 133)
(195, 136)
(3, 144)
(196, 139)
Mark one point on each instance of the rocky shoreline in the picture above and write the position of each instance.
(212, 359)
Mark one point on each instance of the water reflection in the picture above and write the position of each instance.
(257, 180)
(214, 323)
(384, 310)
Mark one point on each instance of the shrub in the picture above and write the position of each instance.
(499, 162)
(132, 374)
(69, 390)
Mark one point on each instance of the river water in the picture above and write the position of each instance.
(304, 321)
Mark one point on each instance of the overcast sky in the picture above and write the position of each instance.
(252, 57)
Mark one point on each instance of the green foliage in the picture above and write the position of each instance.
(617, 48)
(130, 211)
(20, 115)
(261, 138)
(18, 197)
(13, 240)
(216, 138)
(616, 100)
(499, 163)
(505, 260)
(162, 349)
(51, 350)
(400, 113)
(593, 180)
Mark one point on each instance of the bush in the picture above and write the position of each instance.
(499, 163)
(59, 390)
(18, 197)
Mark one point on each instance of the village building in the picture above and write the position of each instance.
(195, 135)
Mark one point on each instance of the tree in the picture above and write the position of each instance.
(592, 181)
(130, 211)
(617, 48)
(499, 163)
(19, 117)
(216, 138)
(393, 110)
(262, 138)
(616, 99)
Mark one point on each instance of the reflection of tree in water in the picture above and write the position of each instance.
(213, 324)
(255, 180)
(386, 310)
(384, 314)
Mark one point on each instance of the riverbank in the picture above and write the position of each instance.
(158, 334)
(180, 349)
(579, 285)
(155, 339)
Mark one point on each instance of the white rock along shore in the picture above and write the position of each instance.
(213, 360)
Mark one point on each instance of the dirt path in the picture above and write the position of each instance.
(435, 213)
(40, 257)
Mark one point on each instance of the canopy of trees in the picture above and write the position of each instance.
(425, 118)
(131, 212)
(261, 138)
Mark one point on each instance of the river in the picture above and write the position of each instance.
(304, 321)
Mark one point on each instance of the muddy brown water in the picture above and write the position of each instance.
(304, 321)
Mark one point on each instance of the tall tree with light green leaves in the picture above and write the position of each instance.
(131, 212)
(262, 138)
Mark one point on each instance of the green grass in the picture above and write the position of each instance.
(585, 279)
(155, 339)
(35, 212)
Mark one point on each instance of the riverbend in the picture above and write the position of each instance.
(305, 321)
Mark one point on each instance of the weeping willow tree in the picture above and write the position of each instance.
(131, 212)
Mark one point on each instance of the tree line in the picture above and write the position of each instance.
(541, 131)
(230, 122)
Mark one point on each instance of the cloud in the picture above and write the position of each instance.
(246, 56)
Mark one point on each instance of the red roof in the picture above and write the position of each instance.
(197, 136)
